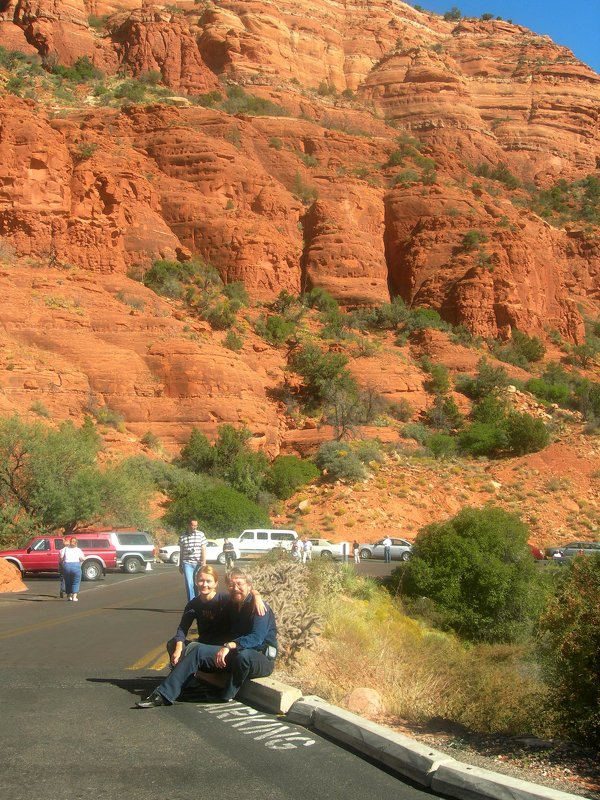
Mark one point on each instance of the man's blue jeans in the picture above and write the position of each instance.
(241, 665)
(387, 555)
(189, 570)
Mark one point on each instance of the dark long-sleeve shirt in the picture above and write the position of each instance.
(212, 617)
(249, 630)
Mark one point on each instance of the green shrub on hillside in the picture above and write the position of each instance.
(487, 380)
(220, 511)
(522, 350)
(288, 474)
(339, 462)
(570, 643)
(275, 329)
(478, 571)
(322, 371)
(240, 102)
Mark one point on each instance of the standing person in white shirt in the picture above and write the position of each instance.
(387, 550)
(192, 556)
(306, 550)
(71, 557)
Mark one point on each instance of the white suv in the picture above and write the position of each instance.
(260, 540)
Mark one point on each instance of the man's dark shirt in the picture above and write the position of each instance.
(249, 630)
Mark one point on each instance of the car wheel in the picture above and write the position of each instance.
(221, 559)
(132, 565)
(364, 554)
(175, 559)
(326, 554)
(91, 570)
(405, 556)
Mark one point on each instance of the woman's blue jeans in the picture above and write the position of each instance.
(72, 574)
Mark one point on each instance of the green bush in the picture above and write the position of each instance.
(478, 571)
(301, 191)
(483, 439)
(82, 71)
(551, 393)
(416, 431)
(288, 474)
(169, 278)
(236, 293)
(444, 414)
(322, 371)
(275, 329)
(339, 463)
(150, 440)
(233, 341)
(500, 173)
(220, 511)
(441, 445)
(472, 240)
(240, 102)
(521, 350)
(570, 643)
(525, 434)
(487, 380)
(439, 380)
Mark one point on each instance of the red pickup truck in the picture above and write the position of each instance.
(41, 554)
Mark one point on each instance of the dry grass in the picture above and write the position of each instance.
(420, 673)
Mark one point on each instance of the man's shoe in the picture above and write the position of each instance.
(152, 701)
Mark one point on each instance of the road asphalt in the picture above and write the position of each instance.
(70, 675)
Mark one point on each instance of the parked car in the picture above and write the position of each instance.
(580, 548)
(135, 549)
(169, 553)
(214, 552)
(572, 549)
(41, 554)
(256, 541)
(328, 550)
(401, 550)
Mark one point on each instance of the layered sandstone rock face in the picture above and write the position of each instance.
(368, 194)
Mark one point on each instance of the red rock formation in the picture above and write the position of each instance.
(153, 39)
(10, 578)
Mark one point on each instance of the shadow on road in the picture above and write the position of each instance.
(135, 686)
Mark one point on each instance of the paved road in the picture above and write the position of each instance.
(70, 675)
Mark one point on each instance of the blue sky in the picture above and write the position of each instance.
(573, 23)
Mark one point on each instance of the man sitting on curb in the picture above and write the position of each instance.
(249, 653)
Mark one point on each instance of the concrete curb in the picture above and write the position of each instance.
(408, 757)
(269, 694)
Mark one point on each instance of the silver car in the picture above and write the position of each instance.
(401, 550)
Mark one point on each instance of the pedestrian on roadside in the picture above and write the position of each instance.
(192, 556)
(70, 558)
(306, 550)
(229, 550)
(295, 550)
(387, 550)
(356, 551)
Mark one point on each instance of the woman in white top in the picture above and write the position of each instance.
(71, 557)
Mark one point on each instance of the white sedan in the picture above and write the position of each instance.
(214, 552)
(327, 550)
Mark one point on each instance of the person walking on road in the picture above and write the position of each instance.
(192, 556)
(249, 653)
(356, 551)
(387, 550)
(71, 557)
(229, 550)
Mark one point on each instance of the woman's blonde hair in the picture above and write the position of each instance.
(207, 569)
